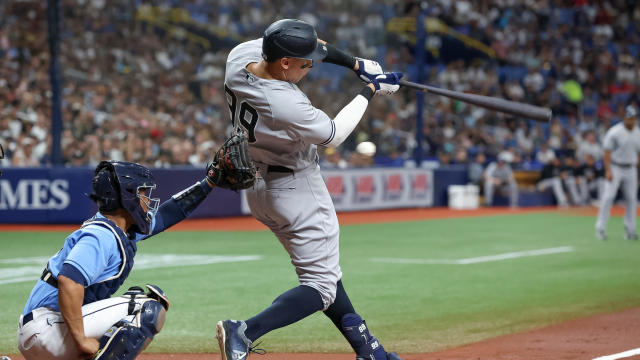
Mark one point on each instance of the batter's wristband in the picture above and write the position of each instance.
(339, 57)
(367, 93)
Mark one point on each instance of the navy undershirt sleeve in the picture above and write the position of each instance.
(73, 273)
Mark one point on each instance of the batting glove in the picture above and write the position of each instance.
(368, 70)
(387, 83)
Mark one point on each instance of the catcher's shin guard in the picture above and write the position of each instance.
(125, 340)
(367, 347)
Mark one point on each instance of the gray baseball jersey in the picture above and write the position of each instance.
(624, 146)
(283, 129)
(282, 124)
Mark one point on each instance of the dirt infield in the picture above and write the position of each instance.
(586, 338)
(247, 223)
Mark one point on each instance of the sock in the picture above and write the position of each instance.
(293, 305)
(340, 307)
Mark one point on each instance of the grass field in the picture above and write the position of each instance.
(427, 303)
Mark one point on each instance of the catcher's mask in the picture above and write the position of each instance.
(118, 184)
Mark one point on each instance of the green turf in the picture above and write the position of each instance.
(411, 308)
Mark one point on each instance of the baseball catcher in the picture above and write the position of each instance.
(70, 313)
(232, 167)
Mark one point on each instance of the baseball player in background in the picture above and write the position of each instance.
(499, 175)
(289, 195)
(70, 314)
(621, 147)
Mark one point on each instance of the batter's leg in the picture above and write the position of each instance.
(288, 308)
(610, 191)
(354, 329)
(340, 307)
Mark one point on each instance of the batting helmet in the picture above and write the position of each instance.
(117, 184)
(291, 38)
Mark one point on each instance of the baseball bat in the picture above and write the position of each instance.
(533, 112)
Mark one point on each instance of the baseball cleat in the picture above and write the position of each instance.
(631, 236)
(234, 345)
(601, 235)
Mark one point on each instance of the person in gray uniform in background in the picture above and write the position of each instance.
(621, 148)
(499, 175)
(289, 195)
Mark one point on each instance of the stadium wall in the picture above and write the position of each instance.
(57, 195)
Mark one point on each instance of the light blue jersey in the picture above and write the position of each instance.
(93, 250)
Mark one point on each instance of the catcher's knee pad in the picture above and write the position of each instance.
(363, 343)
(125, 340)
(151, 317)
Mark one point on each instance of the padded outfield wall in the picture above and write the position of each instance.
(57, 195)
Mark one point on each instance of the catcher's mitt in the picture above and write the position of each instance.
(232, 167)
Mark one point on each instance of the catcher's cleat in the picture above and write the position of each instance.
(234, 345)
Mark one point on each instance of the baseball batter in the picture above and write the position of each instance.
(621, 148)
(290, 196)
(70, 314)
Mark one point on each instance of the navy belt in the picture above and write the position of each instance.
(278, 169)
(27, 318)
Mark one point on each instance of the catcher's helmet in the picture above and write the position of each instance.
(117, 184)
(291, 38)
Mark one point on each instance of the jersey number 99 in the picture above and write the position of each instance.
(248, 116)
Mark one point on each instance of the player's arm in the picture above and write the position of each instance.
(181, 205)
(70, 298)
(85, 264)
(350, 115)
(367, 70)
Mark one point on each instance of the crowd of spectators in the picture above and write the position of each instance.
(142, 81)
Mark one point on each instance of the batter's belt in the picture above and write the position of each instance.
(266, 168)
